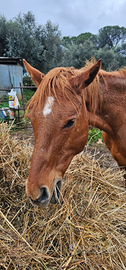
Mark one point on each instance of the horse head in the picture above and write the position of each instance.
(58, 115)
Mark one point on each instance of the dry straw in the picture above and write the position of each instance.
(85, 230)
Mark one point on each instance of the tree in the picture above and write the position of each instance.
(66, 41)
(87, 36)
(40, 45)
(121, 51)
(44, 48)
(22, 41)
(52, 44)
(110, 59)
(80, 39)
(3, 36)
(76, 55)
(111, 36)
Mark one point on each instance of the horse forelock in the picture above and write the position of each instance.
(56, 83)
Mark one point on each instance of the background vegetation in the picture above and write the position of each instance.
(44, 47)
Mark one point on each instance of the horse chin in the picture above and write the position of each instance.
(56, 192)
(38, 203)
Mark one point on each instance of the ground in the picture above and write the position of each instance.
(85, 230)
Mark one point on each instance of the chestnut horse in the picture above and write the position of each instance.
(67, 100)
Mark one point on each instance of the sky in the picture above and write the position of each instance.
(73, 16)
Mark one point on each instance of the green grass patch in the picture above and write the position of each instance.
(27, 95)
(4, 103)
(93, 135)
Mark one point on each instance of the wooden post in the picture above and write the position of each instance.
(22, 97)
(15, 115)
(18, 116)
(23, 102)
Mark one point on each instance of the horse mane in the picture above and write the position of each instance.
(56, 83)
(113, 78)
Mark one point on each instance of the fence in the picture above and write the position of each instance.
(16, 112)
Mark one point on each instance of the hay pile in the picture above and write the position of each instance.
(86, 230)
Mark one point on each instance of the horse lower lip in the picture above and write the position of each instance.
(56, 192)
(38, 203)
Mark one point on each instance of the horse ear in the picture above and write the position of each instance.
(35, 74)
(85, 77)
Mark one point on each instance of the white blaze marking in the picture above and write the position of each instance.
(48, 106)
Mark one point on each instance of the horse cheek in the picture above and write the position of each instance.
(81, 137)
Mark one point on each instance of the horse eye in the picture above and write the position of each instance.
(70, 123)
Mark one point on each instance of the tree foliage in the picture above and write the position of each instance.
(111, 36)
(67, 41)
(45, 48)
(76, 55)
(3, 36)
(110, 59)
(51, 40)
(109, 45)
(39, 45)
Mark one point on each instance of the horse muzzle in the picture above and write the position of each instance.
(45, 198)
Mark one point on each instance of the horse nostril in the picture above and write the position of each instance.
(44, 197)
(56, 192)
(58, 187)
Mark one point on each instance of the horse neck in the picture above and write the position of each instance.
(111, 103)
